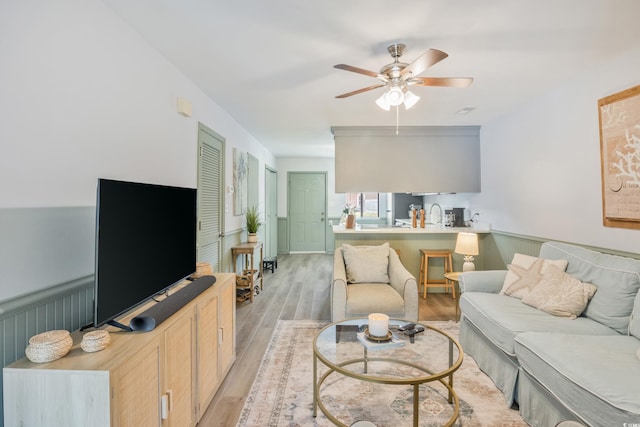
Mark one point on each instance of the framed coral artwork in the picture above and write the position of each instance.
(239, 182)
(619, 116)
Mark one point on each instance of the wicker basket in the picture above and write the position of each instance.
(243, 281)
(95, 341)
(49, 346)
(202, 269)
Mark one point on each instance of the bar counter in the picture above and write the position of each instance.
(408, 241)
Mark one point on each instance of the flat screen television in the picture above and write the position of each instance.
(145, 243)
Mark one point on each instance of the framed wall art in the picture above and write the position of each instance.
(240, 170)
(619, 116)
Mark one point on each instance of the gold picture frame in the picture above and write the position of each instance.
(619, 119)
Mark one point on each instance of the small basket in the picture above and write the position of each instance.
(243, 281)
(95, 341)
(49, 346)
(202, 269)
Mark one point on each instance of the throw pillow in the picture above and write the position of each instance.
(366, 264)
(525, 272)
(560, 294)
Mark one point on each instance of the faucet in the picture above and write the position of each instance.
(441, 213)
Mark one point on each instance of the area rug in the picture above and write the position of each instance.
(282, 393)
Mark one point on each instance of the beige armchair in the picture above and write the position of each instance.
(398, 298)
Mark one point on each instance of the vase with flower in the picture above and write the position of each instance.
(348, 217)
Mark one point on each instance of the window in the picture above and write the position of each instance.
(366, 204)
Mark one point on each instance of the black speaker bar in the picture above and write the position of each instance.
(160, 312)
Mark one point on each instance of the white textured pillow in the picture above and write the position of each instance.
(560, 294)
(525, 272)
(366, 264)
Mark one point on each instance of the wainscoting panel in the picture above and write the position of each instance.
(501, 246)
(68, 306)
(283, 235)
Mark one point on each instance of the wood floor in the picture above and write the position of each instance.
(298, 289)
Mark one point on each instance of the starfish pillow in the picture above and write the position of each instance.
(525, 272)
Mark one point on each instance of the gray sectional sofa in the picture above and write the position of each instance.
(556, 368)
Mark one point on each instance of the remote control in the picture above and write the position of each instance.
(414, 331)
(407, 327)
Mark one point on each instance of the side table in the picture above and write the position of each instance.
(454, 277)
(250, 276)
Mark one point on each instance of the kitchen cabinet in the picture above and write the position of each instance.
(162, 378)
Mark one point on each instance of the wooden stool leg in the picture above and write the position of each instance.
(426, 274)
(449, 269)
(421, 274)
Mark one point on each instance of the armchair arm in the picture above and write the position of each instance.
(489, 281)
(405, 284)
(339, 288)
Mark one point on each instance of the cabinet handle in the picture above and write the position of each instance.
(164, 407)
(220, 336)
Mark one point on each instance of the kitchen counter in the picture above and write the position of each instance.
(429, 228)
(408, 241)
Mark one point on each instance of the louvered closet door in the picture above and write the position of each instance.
(210, 192)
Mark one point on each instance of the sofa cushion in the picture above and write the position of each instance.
(525, 273)
(634, 324)
(501, 318)
(617, 279)
(560, 294)
(366, 264)
(596, 377)
(366, 298)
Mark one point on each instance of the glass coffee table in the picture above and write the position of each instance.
(343, 350)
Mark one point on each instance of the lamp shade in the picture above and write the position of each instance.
(467, 244)
(395, 96)
(383, 103)
(410, 99)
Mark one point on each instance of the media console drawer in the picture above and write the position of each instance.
(142, 378)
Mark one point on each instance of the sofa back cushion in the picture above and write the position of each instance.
(366, 264)
(617, 279)
(634, 324)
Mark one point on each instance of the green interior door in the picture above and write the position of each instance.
(271, 213)
(307, 211)
(210, 191)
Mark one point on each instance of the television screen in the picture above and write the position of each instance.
(145, 243)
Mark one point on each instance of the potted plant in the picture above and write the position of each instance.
(253, 223)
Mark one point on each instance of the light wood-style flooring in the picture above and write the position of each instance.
(299, 289)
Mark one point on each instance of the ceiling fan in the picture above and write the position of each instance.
(398, 76)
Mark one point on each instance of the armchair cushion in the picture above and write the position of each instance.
(366, 298)
(367, 264)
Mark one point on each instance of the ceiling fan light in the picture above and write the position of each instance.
(382, 102)
(395, 96)
(410, 99)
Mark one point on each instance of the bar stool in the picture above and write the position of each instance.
(425, 255)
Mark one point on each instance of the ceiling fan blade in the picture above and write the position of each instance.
(364, 89)
(356, 70)
(442, 81)
(429, 58)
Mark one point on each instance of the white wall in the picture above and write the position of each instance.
(84, 96)
(541, 163)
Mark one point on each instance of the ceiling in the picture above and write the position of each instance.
(269, 64)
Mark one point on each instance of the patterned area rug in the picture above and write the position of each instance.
(282, 393)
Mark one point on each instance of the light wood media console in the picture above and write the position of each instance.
(165, 377)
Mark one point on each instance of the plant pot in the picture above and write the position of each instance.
(351, 221)
(252, 237)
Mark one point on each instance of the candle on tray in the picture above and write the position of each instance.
(378, 324)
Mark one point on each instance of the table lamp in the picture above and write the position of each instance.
(467, 245)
